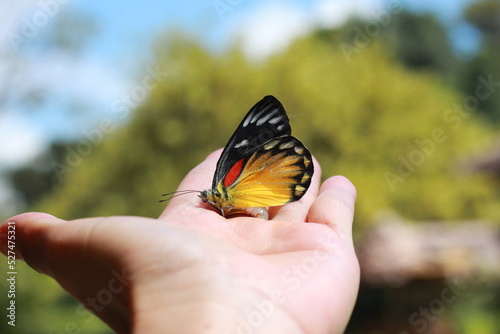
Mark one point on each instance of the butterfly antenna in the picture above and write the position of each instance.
(177, 193)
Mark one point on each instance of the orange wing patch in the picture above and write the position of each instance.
(274, 175)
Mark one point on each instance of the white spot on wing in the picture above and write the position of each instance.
(287, 145)
(241, 143)
(275, 119)
(264, 119)
(256, 117)
(299, 150)
(247, 120)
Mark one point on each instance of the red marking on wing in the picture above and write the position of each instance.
(233, 173)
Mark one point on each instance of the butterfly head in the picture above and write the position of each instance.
(209, 196)
(214, 198)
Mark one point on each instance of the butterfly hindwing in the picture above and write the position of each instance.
(278, 172)
(266, 120)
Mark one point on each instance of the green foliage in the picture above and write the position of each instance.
(395, 134)
(42, 307)
(418, 41)
(483, 65)
(485, 16)
(421, 42)
(476, 310)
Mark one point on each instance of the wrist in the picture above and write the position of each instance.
(208, 305)
(213, 317)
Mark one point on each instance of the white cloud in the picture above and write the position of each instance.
(83, 78)
(334, 13)
(57, 75)
(273, 25)
(11, 17)
(21, 140)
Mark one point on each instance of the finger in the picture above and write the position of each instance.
(53, 246)
(297, 211)
(84, 256)
(30, 238)
(78, 250)
(198, 179)
(334, 206)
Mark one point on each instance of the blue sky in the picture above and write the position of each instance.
(116, 57)
(132, 25)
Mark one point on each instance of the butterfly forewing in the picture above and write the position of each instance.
(265, 121)
(278, 172)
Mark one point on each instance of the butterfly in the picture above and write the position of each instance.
(261, 166)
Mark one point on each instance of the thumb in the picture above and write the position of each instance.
(334, 206)
(25, 236)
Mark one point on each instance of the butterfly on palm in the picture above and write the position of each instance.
(262, 165)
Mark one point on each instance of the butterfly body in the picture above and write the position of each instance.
(262, 165)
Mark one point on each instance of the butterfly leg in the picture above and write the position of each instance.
(254, 212)
(257, 212)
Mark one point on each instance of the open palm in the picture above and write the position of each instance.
(194, 271)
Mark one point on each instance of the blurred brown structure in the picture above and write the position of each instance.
(396, 252)
(485, 162)
(412, 272)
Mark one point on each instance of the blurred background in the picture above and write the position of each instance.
(104, 106)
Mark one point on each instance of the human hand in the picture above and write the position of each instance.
(194, 271)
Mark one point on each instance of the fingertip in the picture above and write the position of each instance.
(334, 205)
(27, 220)
(28, 216)
(24, 233)
(215, 154)
(316, 178)
(339, 181)
(317, 166)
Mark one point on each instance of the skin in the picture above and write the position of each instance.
(193, 271)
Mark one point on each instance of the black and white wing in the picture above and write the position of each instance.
(265, 121)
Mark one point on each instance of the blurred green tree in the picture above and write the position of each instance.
(485, 16)
(395, 133)
(418, 41)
